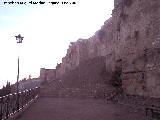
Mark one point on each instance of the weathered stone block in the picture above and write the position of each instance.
(153, 83)
(134, 83)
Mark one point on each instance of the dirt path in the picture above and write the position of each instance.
(78, 109)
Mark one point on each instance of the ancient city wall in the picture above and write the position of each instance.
(47, 74)
(138, 35)
(130, 38)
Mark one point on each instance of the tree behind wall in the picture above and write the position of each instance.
(5, 90)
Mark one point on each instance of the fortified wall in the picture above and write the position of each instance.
(138, 45)
(47, 74)
(130, 39)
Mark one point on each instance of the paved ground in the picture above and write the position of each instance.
(78, 109)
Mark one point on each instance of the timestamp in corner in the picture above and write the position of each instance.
(35, 2)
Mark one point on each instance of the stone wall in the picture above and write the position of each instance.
(78, 52)
(139, 42)
(47, 74)
(132, 36)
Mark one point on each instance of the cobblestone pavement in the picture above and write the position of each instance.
(79, 109)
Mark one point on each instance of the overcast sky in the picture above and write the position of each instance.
(47, 30)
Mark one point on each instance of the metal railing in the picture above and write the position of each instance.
(13, 103)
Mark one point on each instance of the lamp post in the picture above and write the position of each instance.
(19, 39)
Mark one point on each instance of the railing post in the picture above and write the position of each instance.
(7, 102)
(1, 112)
(17, 102)
(13, 103)
(23, 99)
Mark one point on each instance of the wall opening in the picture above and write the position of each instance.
(116, 80)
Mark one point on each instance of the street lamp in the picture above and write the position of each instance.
(19, 39)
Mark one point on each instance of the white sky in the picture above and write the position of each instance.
(47, 30)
